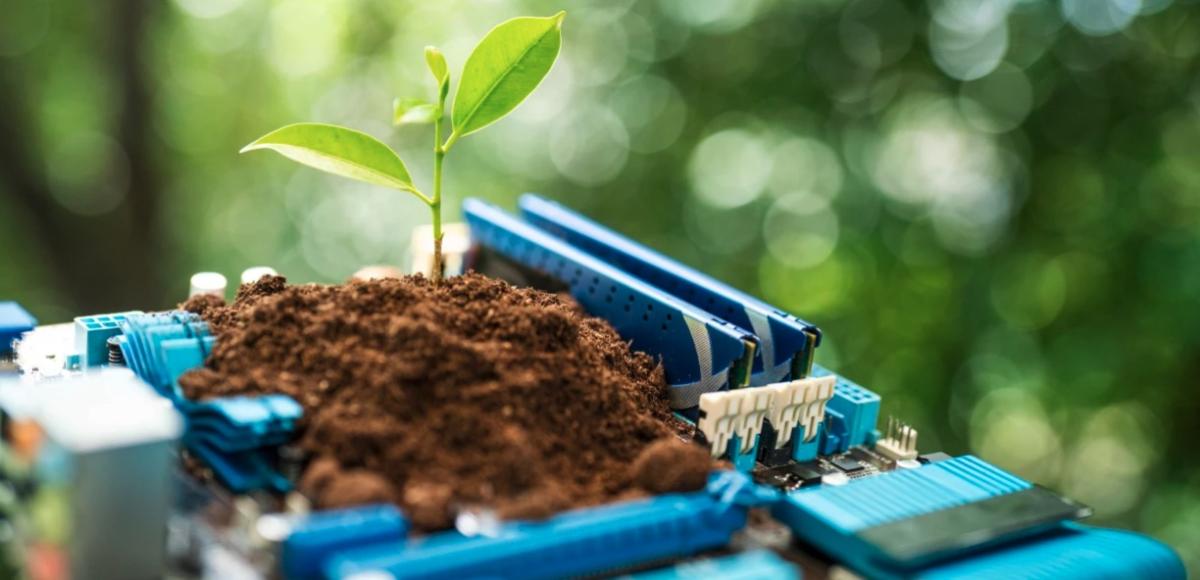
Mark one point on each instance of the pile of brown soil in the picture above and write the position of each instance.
(454, 395)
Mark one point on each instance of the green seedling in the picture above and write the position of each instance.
(503, 69)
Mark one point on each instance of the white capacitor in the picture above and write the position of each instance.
(208, 283)
(251, 275)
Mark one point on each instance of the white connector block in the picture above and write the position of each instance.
(740, 412)
(899, 442)
(799, 403)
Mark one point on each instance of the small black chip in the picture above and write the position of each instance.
(789, 476)
(848, 464)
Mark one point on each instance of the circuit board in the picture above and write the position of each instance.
(107, 460)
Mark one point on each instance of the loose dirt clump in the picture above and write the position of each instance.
(469, 393)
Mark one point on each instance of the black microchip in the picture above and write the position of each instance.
(790, 476)
(934, 457)
(848, 464)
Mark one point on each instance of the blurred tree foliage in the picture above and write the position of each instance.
(992, 207)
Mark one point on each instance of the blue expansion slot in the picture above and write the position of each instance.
(700, 353)
(316, 537)
(585, 542)
(752, 565)
(787, 343)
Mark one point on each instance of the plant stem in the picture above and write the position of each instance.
(436, 205)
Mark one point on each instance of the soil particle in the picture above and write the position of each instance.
(440, 396)
(670, 465)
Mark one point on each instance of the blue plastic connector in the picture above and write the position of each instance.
(14, 321)
(786, 344)
(317, 537)
(700, 353)
(1073, 552)
(752, 565)
(851, 415)
(575, 543)
(92, 334)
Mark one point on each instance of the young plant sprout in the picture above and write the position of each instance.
(502, 71)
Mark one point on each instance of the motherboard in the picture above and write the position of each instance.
(110, 471)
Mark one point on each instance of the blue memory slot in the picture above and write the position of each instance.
(700, 353)
(787, 343)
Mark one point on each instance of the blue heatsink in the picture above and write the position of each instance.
(700, 353)
(237, 436)
(786, 343)
(913, 522)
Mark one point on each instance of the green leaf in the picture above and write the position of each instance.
(339, 151)
(412, 112)
(503, 69)
(437, 65)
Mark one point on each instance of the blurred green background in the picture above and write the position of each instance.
(992, 207)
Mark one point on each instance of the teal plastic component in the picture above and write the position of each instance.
(752, 565)
(1072, 552)
(802, 450)
(92, 334)
(743, 462)
(317, 537)
(851, 415)
(577, 543)
(14, 321)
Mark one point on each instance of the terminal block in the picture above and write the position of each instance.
(92, 334)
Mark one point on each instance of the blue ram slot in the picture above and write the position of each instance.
(786, 343)
(699, 351)
(752, 565)
(1074, 552)
(584, 542)
(317, 537)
